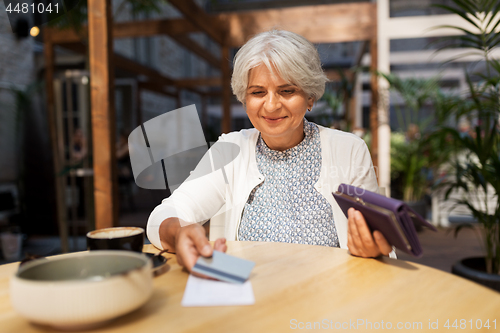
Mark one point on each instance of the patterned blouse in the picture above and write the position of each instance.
(286, 207)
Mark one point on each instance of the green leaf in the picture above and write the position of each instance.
(467, 32)
(458, 12)
(493, 12)
(462, 226)
(488, 6)
(468, 6)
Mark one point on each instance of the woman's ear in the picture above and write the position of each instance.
(310, 103)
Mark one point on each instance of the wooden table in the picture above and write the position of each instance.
(297, 285)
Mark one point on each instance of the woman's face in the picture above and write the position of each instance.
(276, 108)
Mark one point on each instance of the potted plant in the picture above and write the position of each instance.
(414, 153)
(476, 167)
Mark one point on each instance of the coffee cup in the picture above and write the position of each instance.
(119, 238)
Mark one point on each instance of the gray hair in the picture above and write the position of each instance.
(294, 57)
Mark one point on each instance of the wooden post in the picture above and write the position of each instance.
(226, 90)
(352, 109)
(71, 176)
(59, 186)
(383, 65)
(103, 113)
(374, 99)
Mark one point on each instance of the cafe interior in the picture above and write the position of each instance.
(81, 87)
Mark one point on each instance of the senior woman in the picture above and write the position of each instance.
(279, 186)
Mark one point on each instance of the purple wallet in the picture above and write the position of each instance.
(393, 218)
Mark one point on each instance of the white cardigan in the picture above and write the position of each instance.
(345, 159)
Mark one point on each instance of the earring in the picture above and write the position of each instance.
(309, 110)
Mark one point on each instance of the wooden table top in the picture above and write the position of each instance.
(298, 285)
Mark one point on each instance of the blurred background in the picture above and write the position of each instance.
(396, 83)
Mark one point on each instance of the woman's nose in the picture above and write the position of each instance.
(272, 103)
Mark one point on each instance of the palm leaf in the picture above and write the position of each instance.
(462, 226)
(493, 13)
(467, 32)
(468, 6)
(459, 13)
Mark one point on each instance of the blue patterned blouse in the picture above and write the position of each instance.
(286, 207)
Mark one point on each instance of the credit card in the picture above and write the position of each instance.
(224, 267)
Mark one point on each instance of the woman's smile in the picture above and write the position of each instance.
(274, 120)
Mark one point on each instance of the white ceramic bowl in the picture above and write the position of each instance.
(83, 289)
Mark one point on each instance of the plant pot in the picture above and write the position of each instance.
(421, 208)
(474, 269)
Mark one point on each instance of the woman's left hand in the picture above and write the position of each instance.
(360, 240)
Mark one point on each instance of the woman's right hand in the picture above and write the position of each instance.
(191, 243)
(188, 241)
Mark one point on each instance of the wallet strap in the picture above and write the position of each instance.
(415, 217)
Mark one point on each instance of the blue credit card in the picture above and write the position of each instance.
(224, 267)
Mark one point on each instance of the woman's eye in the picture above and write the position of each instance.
(288, 91)
(257, 92)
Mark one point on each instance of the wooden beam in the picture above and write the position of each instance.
(213, 26)
(197, 82)
(103, 113)
(319, 24)
(148, 28)
(132, 29)
(177, 29)
(234, 5)
(139, 69)
(59, 187)
(226, 90)
(61, 36)
(197, 49)
(145, 29)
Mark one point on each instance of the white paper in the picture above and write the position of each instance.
(204, 292)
